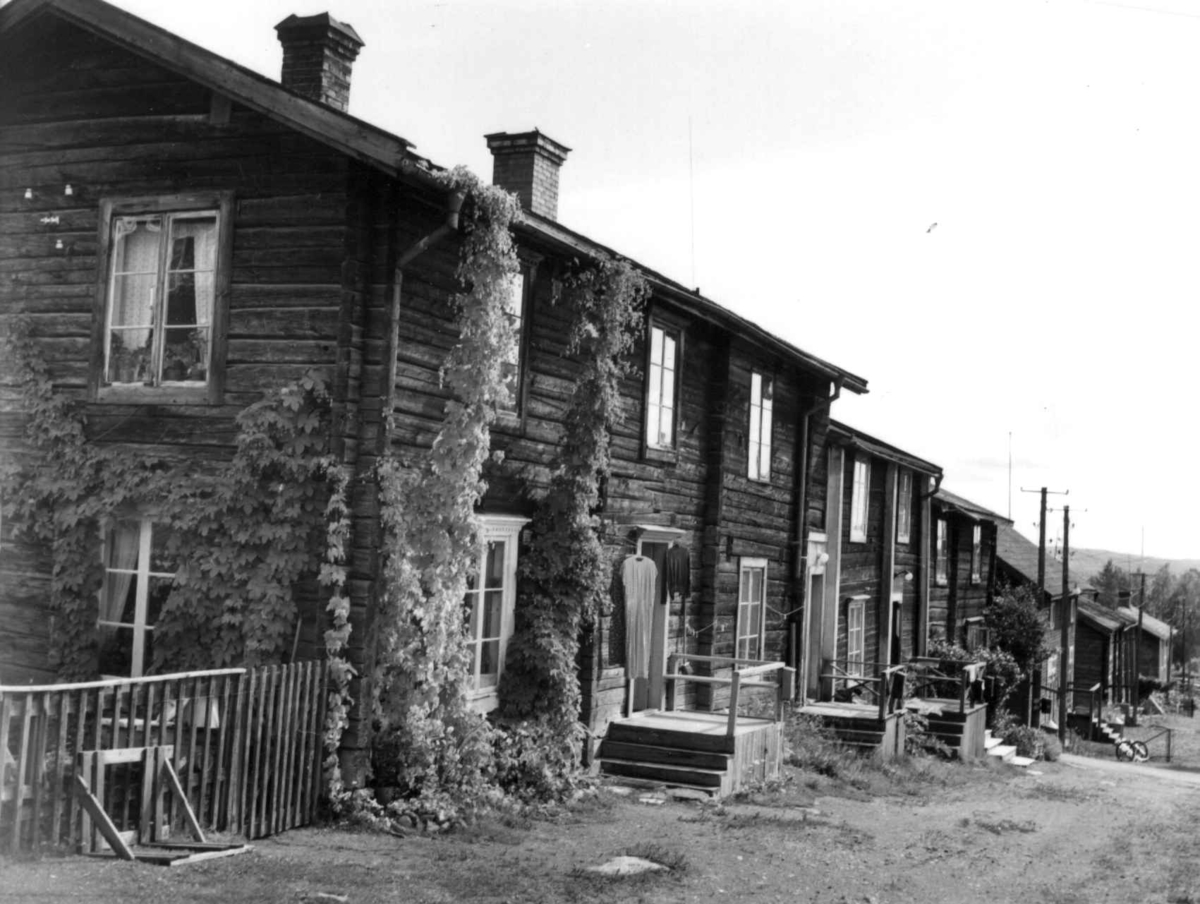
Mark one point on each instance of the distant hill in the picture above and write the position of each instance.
(1088, 562)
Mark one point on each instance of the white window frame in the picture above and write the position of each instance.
(662, 385)
(747, 643)
(493, 529)
(904, 507)
(856, 636)
(158, 388)
(976, 553)
(860, 494)
(941, 557)
(762, 397)
(141, 575)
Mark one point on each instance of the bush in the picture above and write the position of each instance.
(1052, 748)
(814, 746)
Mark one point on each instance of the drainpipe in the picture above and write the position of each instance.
(800, 646)
(454, 203)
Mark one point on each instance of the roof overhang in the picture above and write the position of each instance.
(855, 439)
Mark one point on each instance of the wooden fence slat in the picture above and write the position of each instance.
(193, 718)
(237, 757)
(283, 808)
(319, 720)
(60, 769)
(91, 803)
(274, 748)
(244, 726)
(6, 714)
(221, 780)
(81, 710)
(22, 769)
(41, 728)
(259, 785)
(209, 710)
(304, 704)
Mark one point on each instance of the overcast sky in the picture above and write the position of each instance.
(790, 158)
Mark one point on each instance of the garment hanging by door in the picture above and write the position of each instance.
(638, 575)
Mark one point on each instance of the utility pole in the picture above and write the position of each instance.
(1065, 636)
(1042, 594)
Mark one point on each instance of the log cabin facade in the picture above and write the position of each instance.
(306, 238)
(963, 550)
(874, 569)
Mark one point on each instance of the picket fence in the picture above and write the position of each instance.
(246, 744)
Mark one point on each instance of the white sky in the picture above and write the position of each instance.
(1055, 143)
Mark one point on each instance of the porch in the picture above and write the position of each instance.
(715, 752)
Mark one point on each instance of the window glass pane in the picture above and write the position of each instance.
(766, 439)
(163, 549)
(128, 356)
(755, 426)
(656, 347)
(666, 431)
(668, 388)
(116, 650)
(156, 594)
(489, 663)
(756, 585)
(493, 608)
(495, 564)
(755, 390)
(668, 358)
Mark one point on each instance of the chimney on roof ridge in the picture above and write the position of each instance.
(318, 53)
(527, 164)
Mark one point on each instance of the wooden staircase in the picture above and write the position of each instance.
(692, 750)
(860, 727)
(962, 733)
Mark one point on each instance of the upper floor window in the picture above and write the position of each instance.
(514, 307)
(662, 387)
(904, 507)
(942, 554)
(762, 394)
(164, 291)
(752, 607)
(976, 554)
(138, 574)
(488, 607)
(859, 500)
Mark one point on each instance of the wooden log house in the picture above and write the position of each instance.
(963, 549)
(128, 154)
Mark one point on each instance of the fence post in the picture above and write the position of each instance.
(734, 691)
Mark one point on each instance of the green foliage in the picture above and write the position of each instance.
(1015, 627)
(528, 769)
(243, 531)
(1030, 742)
(564, 575)
(431, 745)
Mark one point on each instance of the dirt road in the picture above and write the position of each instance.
(1060, 833)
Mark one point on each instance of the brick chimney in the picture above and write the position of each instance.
(527, 164)
(318, 52)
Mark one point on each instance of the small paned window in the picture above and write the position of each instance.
(855, 637)
(164, 292)
(976, 554)
(762, 393)
(859, 500)
(138, 575)
(976, 634)
(514, 309)
(752, 596)
(661, 389)
(904, 508)
(488, 607)
(942, 557)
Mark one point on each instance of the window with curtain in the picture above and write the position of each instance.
(138, 574)
(855, 635)
(859, 500)
(762, 393)
(941, 574)
(488, 606)
(163, 290)
(904, 507)
(976, 554)
(661, 376)
(752, 597)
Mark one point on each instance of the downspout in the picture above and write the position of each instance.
(928, 554)
(800, 645)
(454, 203)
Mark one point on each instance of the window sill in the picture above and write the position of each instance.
(485, 702)
(764, 481)
(136, 394)
(661, 455)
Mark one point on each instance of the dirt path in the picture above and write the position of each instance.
(1064, 834)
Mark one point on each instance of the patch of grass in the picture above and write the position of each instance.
(1059, 794)
(1005, 826)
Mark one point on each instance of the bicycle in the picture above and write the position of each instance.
(1128, 750)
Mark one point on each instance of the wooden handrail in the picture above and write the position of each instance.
(783, 686)
(114, 682)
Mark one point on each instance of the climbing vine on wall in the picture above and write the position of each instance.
(564, 575)
(432, 749)
(242, 531)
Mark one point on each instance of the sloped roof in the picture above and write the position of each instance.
(856, 438)
(361, 140)
(1099, 616)
(969, 508)
(1150, 624)
(1021, 556)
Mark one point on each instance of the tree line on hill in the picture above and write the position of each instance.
(1171, 598)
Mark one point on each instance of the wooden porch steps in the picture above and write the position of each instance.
(692, 750)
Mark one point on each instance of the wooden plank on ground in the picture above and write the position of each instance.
(100, 818)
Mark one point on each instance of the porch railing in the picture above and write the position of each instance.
(746, 673)
(884, 686)
(946, 680)
(246, 747)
